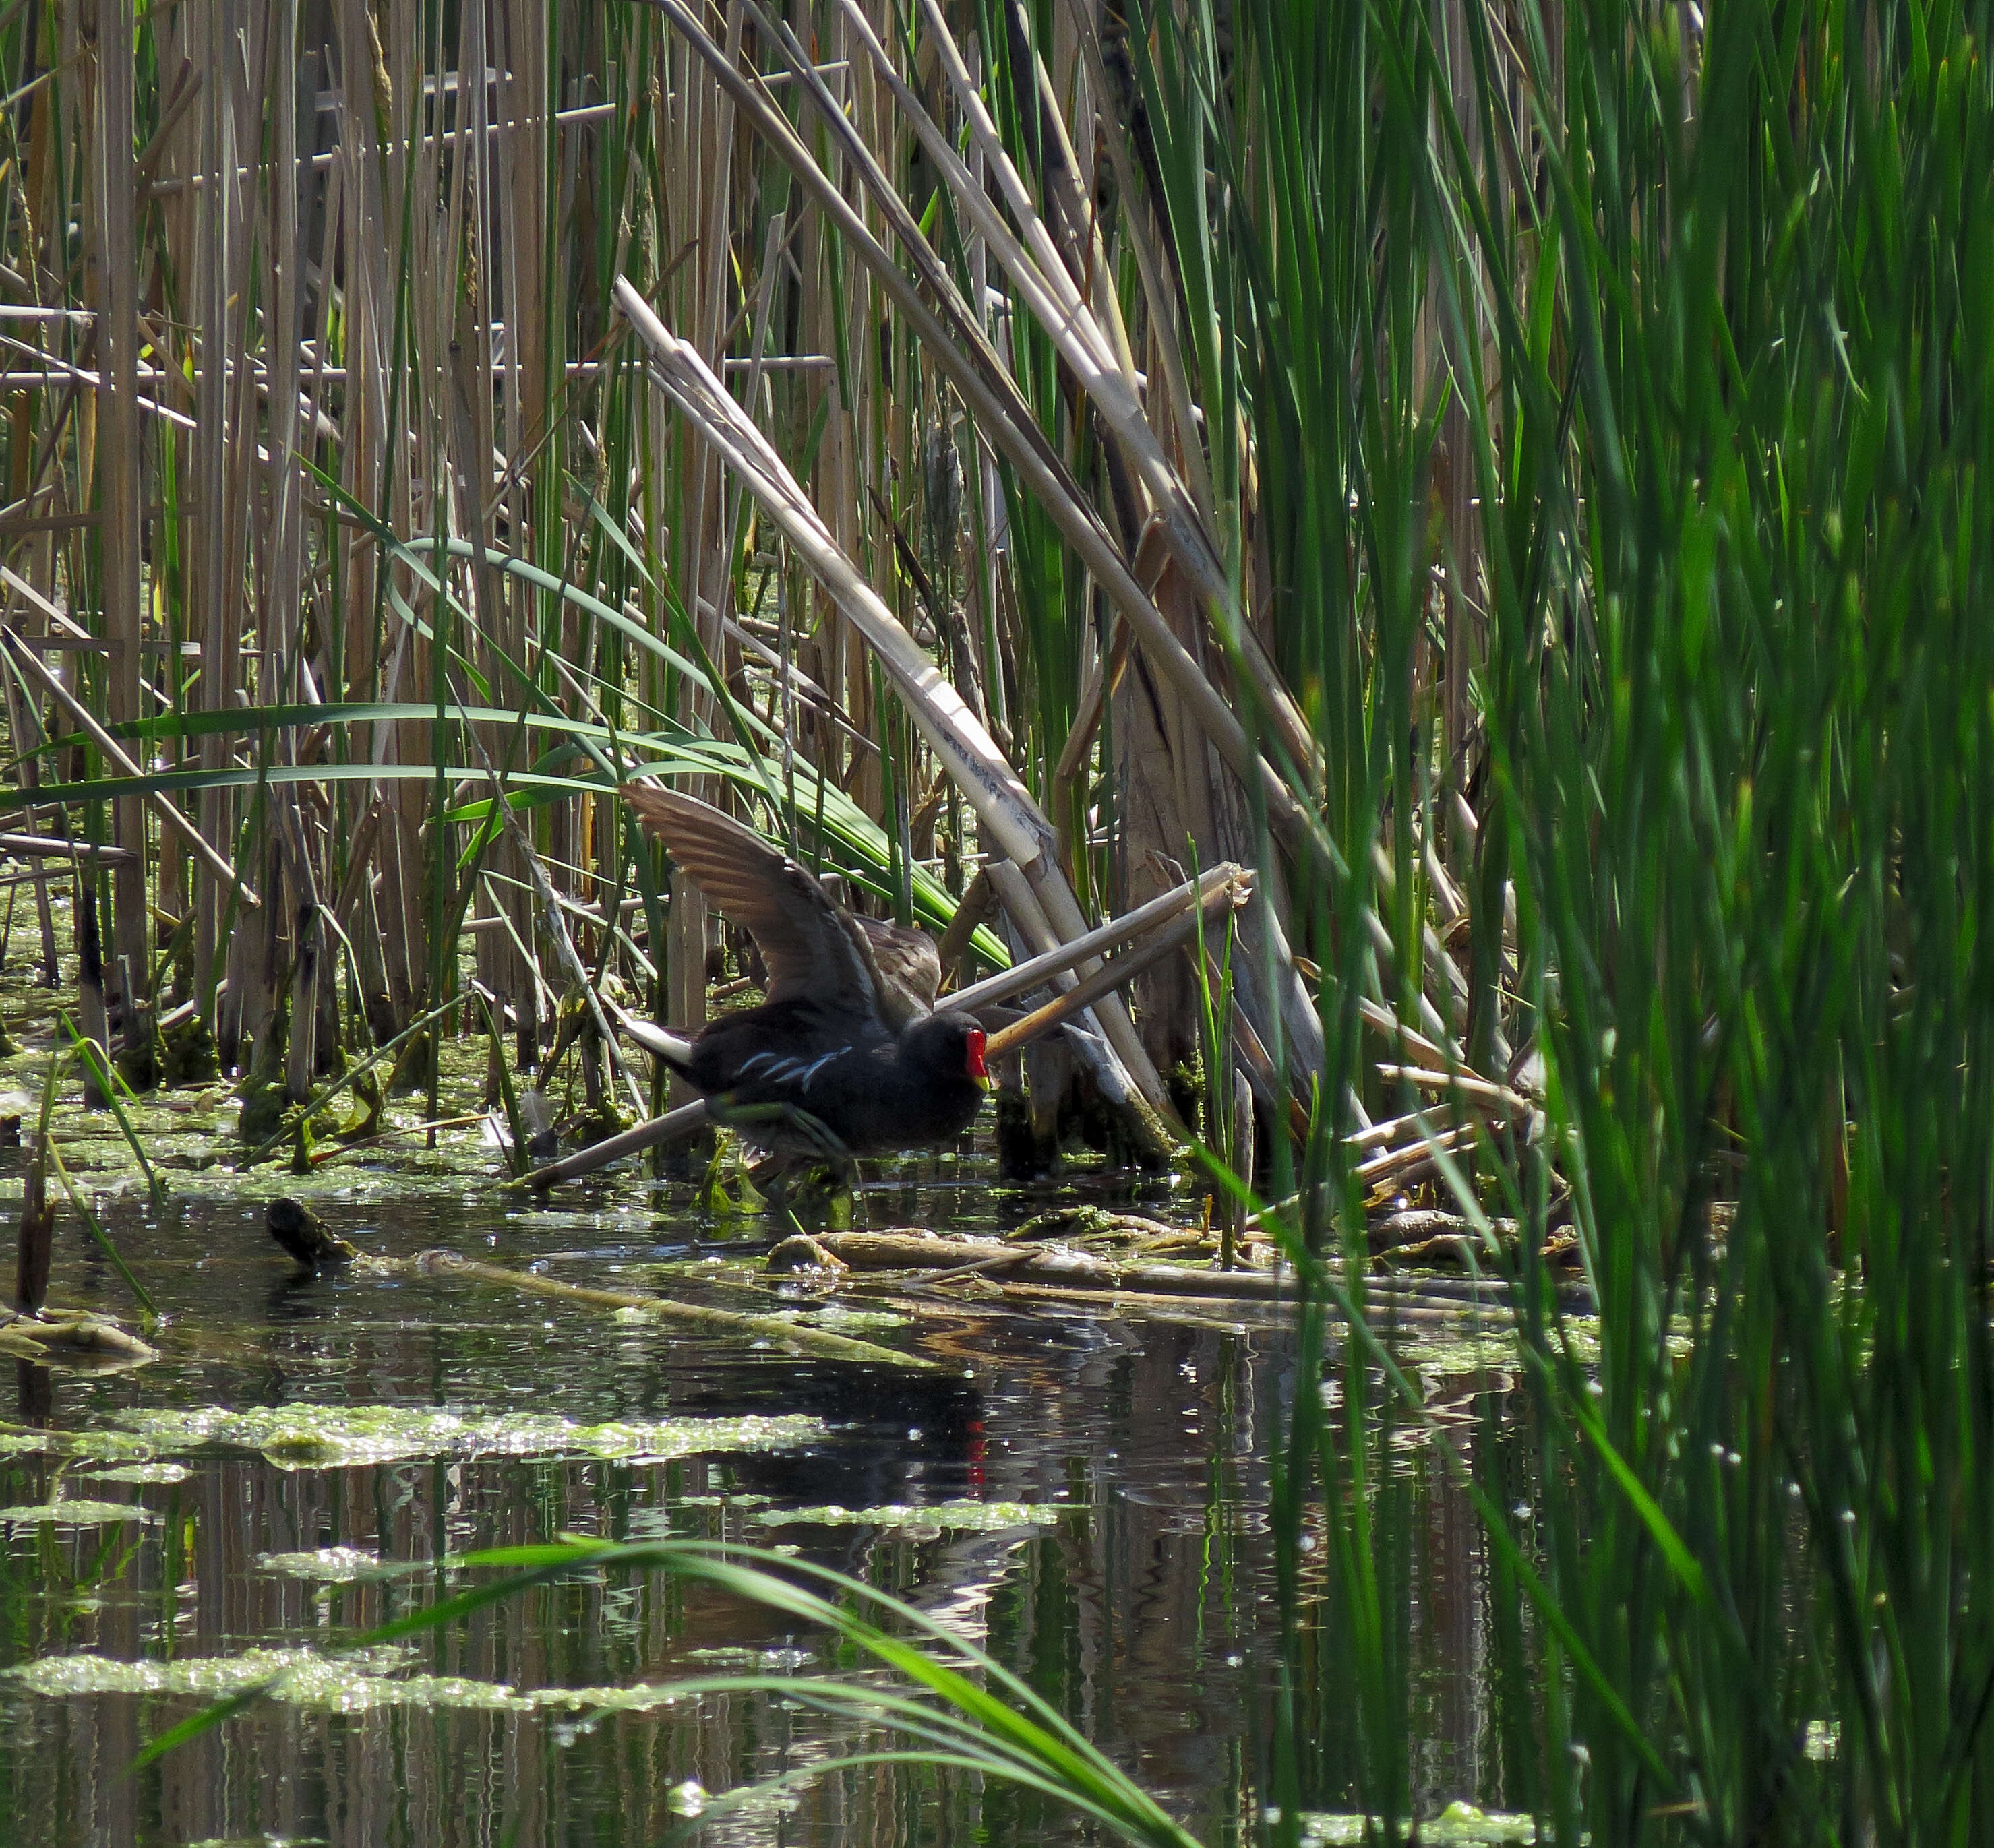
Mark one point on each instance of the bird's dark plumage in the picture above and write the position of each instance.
(846, 1056)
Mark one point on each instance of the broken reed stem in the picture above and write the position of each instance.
(957, 737)
(38, 847)
(1233, 893)
(1461, 1084)
(1022, 978)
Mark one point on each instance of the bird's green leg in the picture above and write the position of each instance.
(749, 1117)
(812, 1131)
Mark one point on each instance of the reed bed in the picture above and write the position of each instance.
(1518, 478)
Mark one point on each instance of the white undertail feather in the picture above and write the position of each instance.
(673, 1048)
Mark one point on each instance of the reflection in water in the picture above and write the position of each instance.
(1145, 1610)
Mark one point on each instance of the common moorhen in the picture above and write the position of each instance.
(847, 1056)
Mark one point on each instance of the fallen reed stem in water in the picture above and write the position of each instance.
(773, 1330)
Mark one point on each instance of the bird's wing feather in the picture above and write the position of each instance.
(807, 943)
(910, 966)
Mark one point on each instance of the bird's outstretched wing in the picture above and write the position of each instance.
(810, 947)
(910, 966)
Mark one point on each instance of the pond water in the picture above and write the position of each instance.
(1134, 1587)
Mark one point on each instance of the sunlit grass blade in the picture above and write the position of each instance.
(1013, 1734)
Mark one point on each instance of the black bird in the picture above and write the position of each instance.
(847, 1056)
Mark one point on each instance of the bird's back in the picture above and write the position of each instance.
(762, 1068)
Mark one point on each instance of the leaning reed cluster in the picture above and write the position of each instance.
(1520, 478)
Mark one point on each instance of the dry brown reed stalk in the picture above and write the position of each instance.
(1092, 345)
(105, 77)
(953, 338)
(944, 719)
(1180, 932)
(1021, 978)
(341, 365)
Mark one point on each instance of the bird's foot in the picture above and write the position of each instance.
(810, 1189)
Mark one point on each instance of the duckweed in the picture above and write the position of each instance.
(1458, 1825)
(355, 1683)
(327, 1565)
(314, 1437)
(954, 1517)
(75, 1514)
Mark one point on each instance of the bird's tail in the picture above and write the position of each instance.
(670, 1048)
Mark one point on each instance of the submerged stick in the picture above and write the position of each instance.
(299, 1230)
(819, 1343)
(799, 1339)
(929, 1259)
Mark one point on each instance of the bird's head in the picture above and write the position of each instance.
(954, 1046)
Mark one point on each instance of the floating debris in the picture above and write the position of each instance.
(73, 1334)
(318, 1437)
(77, 1514)
(338, 1684)
(951, 1517)
(138, 1472)
(304, 1235)
(327, 1565)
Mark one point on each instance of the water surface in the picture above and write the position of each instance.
(1137, 1592)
